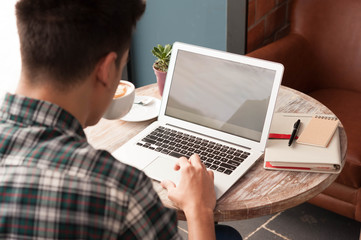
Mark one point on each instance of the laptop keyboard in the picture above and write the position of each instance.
(215, 156)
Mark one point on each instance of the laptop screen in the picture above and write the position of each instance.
(224, 95)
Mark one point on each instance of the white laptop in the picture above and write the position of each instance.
(216, 104)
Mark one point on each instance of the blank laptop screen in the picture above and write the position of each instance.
(220, 94)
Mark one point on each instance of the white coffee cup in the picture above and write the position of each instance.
(122, 102)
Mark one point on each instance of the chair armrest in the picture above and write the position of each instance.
(294, 52)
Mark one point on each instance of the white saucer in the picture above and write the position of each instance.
(140, 113)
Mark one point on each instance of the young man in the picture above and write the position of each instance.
(53, 184)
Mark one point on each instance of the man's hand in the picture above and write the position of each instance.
(195, 195)
(196, 185)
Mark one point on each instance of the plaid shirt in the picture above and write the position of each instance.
(54, 185)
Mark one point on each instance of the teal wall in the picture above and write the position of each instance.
(199, 22)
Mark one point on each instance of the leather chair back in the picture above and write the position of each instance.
(333, 31)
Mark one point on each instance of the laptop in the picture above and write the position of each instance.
(216, 104)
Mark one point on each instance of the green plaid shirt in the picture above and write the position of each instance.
(54, 185)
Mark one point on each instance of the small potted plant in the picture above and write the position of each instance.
(160, 66)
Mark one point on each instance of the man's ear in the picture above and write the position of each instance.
(105, 69)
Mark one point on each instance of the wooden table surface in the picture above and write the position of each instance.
(259, 192)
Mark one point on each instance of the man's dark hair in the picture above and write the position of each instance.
(66, 38)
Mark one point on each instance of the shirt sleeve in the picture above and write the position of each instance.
(147, 217)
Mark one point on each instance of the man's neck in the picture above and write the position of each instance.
(74, 100)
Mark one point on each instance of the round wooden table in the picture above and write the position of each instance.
(259, 192)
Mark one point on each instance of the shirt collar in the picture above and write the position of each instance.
(29, 111)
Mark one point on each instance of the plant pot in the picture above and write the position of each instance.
(161, 76)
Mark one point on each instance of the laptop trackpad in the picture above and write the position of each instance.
(162, 168)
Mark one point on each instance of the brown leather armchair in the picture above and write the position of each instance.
(322, 58)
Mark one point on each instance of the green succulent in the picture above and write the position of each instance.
(162, 53)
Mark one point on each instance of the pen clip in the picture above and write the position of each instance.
(296, 126)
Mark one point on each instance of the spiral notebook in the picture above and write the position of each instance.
(303, 157)
(319, 131)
